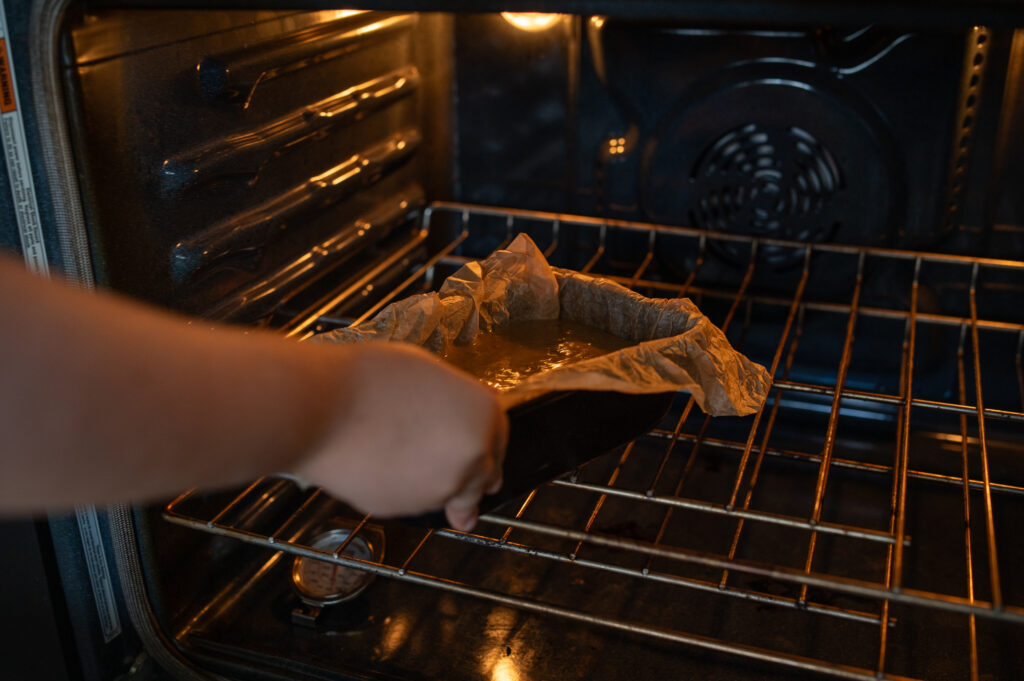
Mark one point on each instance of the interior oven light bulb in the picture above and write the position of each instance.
(532, 21)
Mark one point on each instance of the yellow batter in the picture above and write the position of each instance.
(511, 354)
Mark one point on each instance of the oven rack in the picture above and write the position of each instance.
(966, 426)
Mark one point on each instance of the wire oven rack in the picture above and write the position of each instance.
(977, 438)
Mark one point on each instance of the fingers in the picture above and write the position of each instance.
(462, 512)
(463, 508)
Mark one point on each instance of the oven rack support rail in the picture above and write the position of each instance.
(879, 595)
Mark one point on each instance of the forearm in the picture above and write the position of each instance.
(104, 400)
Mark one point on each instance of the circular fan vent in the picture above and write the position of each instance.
(766, 182)
(773, 151)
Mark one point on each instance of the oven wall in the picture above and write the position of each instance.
(221, 149)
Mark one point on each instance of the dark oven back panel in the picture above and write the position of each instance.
(860, 135)
(227, 156)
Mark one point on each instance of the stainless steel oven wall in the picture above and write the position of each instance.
(235, 156)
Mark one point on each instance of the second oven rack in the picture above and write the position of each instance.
(965, 424)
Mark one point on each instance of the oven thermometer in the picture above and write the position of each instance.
(321, 583)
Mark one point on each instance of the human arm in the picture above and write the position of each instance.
(103, 400)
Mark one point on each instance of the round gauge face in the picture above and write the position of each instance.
(325, 583)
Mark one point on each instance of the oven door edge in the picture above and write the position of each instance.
(112, 531)
(112, 630)
(64, 209)
(123, 541)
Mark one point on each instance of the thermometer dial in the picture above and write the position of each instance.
(321, 582)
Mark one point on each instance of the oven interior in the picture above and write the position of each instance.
(838, 199)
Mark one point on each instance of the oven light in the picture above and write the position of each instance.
(532, 21)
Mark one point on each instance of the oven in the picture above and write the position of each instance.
(833, 184)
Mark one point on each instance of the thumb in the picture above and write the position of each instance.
(462, 510)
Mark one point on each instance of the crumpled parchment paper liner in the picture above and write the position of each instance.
(678, 348)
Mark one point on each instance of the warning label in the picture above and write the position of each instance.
(7, 100)
(19, 167)
(99, 575)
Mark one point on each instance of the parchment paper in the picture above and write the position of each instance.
(677, 347)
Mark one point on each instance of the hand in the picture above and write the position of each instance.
(411, 434)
